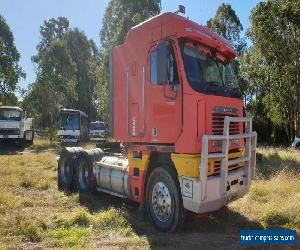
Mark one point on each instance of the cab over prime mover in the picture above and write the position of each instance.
(175, 103)
(15, 126)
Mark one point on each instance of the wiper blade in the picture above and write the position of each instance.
(209, 85)
(218, 84)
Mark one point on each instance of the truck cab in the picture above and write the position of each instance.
(97, 131)
(175, 100)
(15, 126)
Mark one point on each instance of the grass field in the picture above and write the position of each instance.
(33, 213)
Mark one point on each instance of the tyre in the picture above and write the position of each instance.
(66, 168)
(163, 199)
(297, 146)
(85, 178)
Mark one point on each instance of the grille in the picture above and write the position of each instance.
(9, 132)
(214, 165)
(218, 124)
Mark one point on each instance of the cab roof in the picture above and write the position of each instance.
(171, 24)
(73, 111)
(11, 107)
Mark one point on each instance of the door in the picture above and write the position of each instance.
(164, 94)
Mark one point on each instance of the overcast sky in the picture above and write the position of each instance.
(25, 18)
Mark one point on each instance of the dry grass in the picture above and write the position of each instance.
(274, 197)
(33, 213)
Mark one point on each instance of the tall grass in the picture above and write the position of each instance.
(33, 210)
(274, 197)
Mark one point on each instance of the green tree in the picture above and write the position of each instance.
(53, 29)
(275, 32)
(83, 53)
(67, 73)
(255, 74)
(10, 71)
(226, 23)
(55, 85)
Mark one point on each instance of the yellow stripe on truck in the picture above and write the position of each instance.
(188, 165)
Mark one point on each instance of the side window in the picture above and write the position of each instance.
(172, 68)
(153, 59)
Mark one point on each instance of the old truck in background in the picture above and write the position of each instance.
(176, 105)
(15, 126)
(97, 131)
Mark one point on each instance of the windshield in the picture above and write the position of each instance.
(69, 121)
(208, 75)
(97, 126)
(10, 114)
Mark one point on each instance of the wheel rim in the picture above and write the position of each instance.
(65, 170)
(161, 201)
(83, 175)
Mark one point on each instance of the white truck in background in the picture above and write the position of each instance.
(15, 126)
(97, 131)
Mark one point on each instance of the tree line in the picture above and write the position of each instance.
(72, 72)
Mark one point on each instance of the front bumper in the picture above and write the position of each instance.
(97, 138)
(68, 138)
(4, 137)
(206, 194)
(214, 200)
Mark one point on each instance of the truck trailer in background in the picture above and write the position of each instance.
(73, 126)
(15, 126)
(176, 105)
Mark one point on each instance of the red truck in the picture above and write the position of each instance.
(175, 103)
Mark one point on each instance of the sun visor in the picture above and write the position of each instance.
(211, 40)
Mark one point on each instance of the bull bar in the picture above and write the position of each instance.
(249, 157)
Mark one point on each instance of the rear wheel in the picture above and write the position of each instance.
(66, 168)
(163, 199)
(85, 178)
(65, 173)
(86, 182)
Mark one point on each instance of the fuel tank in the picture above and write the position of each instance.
(112, 176)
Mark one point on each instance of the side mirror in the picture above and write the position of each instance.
(162, 63)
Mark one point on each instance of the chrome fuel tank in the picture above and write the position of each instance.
(112, 176)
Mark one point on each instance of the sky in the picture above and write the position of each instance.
(25, 17)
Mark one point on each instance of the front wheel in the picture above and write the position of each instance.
(164, 201)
